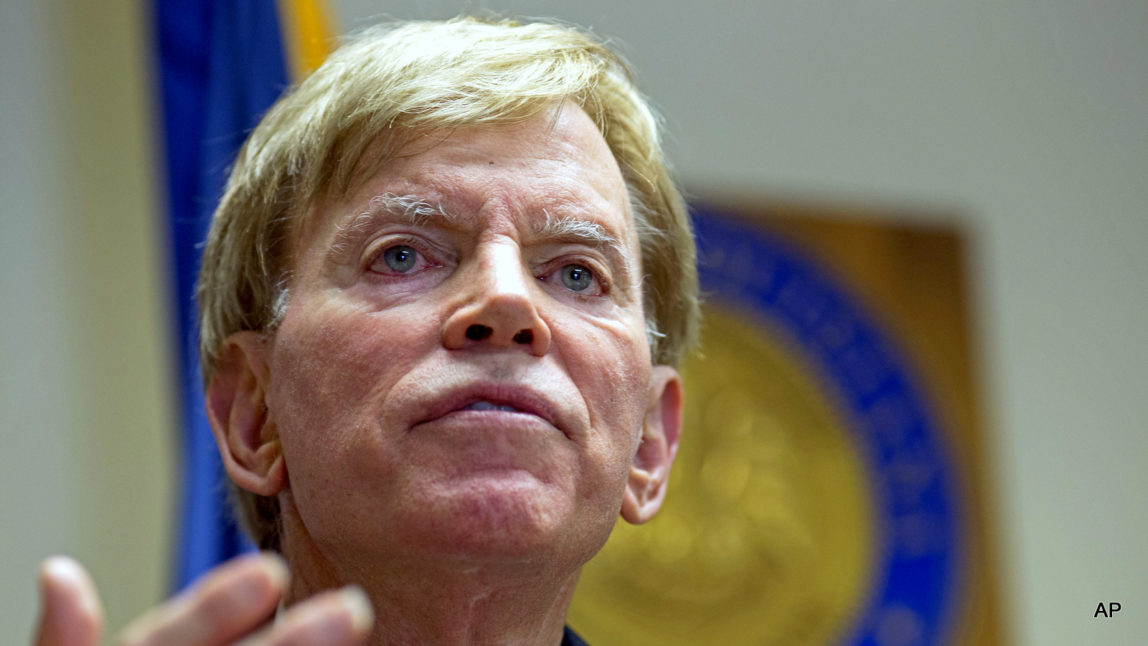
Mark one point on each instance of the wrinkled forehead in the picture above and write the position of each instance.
(416, 166)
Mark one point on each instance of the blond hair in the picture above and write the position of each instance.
(375, 92)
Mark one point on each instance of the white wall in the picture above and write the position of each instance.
(1026, 123)
(38, 455)
(85, 405)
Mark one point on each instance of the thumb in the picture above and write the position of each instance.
(70, 613)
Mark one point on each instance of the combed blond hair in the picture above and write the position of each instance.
(339, 126)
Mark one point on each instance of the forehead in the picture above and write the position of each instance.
(556, 163)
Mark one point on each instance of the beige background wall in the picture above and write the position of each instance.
(85, 405)
(1026, 120)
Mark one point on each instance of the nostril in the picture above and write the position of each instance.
(524, 336)
(478, 332)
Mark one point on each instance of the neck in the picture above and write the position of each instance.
(439, 600)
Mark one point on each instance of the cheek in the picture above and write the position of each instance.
(610, 366)
(319, 361)
(331, 369)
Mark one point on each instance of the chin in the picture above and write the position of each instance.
(502, 515)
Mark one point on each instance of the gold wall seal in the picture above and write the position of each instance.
(766, 536)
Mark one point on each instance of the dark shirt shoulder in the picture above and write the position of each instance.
(571, 638)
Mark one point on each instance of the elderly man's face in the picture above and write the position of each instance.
(462, 367)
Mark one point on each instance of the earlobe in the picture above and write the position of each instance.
(661, 431)
(237, 410)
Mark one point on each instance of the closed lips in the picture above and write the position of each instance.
(493, 397)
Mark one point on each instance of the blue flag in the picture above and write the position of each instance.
(221, 64)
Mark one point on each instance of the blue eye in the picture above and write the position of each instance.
(400, 258)
(576, 277)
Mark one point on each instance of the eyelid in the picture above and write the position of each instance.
(431, 252)
(588, 255)
(597, 270)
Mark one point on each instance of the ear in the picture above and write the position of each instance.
(237, 409)
(661, 431)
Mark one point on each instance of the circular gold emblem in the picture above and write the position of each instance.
(766, 536)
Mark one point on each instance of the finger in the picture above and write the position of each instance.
(70, 613)
(337, 618)
(227, 603)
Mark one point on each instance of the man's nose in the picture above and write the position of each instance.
(500, 307)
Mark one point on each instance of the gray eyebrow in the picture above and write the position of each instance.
(571, 229)
(409, 208)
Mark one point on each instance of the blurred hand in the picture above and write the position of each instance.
(226, 605)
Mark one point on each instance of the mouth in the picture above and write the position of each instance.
(485, 405)
(493, 399)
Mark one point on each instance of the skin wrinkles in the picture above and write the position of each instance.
(438, 235)
(413, 211)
